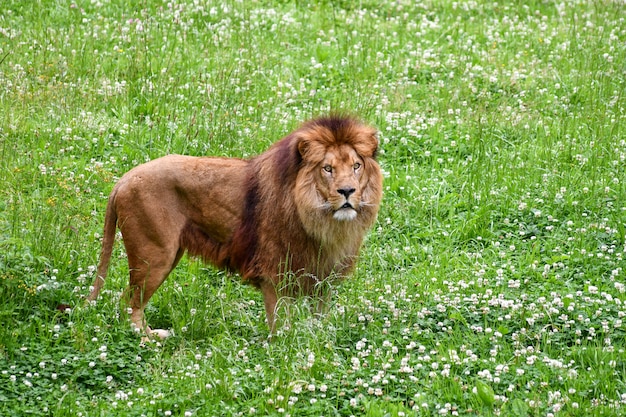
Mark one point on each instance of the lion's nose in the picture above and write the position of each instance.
(346, 192)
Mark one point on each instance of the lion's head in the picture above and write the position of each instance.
(339, 180)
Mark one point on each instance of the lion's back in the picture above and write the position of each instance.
(204, 191)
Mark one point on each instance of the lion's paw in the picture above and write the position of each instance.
(160, 333)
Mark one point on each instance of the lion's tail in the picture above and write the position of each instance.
(110, 222)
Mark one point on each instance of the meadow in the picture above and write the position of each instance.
(493, 282)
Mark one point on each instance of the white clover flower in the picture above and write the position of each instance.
(121, 396)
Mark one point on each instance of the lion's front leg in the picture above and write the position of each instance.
(270, 299)
(324, 301)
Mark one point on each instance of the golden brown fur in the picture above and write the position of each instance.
(301, 209)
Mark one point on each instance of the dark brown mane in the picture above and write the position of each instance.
(340, 127)
(243, 245)
(338, 130)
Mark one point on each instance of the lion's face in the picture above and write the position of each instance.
(339, 182)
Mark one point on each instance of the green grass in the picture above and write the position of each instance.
(492, 284)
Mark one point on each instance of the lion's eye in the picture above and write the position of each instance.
(328, 168)
(357, 165)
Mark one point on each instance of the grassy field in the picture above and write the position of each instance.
(492, 284)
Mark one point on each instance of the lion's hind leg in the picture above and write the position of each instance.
(149, 267)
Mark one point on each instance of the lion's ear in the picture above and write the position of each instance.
(309, 148)
(303, 146)
(367, 144)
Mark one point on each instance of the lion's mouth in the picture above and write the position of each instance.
(345, 213)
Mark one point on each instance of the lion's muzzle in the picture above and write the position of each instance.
(346, 192)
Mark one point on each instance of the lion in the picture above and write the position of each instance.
(298, 212)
